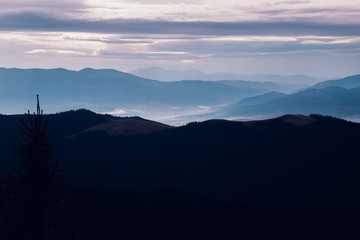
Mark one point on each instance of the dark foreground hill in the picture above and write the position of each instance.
(293, 177)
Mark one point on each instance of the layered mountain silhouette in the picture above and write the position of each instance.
(269, 86)
(177, 75)
(292, 177)
(338, 98)
(347, 82)
(106, 89)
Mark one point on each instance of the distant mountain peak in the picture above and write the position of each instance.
(86, 69)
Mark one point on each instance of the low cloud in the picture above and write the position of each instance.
(54, 51)
(282, 36)
(216, 47)
(110, 40)
(117, 111)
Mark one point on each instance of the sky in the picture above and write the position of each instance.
(314, 37)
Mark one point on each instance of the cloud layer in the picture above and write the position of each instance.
(239, 36)
(44, 22)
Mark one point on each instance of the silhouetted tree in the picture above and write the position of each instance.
(35, 197)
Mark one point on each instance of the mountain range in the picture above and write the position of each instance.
(106, 89)
(347, 82)
(340, 98)
(115, 92)
(192, 74)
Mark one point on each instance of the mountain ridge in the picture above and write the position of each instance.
(346, 82)
(108, 89)
(335, 101)
(176, 75)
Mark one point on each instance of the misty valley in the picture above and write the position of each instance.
(229, 96)
(233, 158)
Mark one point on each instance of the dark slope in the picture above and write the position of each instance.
(296, 120)
(173, 214)
(335, 101)
(75, 123)
(294, 177)
(206, 148)
(286, 180)
(214, 156)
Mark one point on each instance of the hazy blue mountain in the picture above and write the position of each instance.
(162, 74)
(334, 101)
(294, 79)
(270, 86)
(176, 75)
(107, 89)
(260, 99)
(347, 82)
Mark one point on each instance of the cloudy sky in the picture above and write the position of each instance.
(313, 37)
